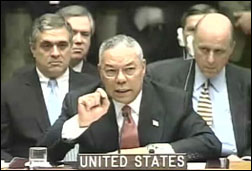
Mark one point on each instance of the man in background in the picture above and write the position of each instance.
(220, 91)
(83, 26)
(32, 100)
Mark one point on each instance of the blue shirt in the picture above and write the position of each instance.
(222, 119)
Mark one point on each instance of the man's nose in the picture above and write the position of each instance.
(121, 77)
(78, 38)
(210, 58)
(55, 52)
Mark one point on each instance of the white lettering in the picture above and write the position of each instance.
(181, 161)
(138, 162)
(172, 161)
(92, 161)
(106, 160)
(163, 160)
(123, 161)
(146, 158)
(155, 162)
(114, 160)
(82, 161)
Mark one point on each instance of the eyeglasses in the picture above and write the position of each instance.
(112, 72)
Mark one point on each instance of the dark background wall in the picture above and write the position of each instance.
(17, 18)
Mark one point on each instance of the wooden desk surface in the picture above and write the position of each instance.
(244, 165)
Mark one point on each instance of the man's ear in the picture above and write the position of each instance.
(233, 44)
(144, 65)
(99, 69)
(32, 48)
(180, 37)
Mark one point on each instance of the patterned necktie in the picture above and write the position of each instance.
(129, 132)
(53, 104)
(205, 105)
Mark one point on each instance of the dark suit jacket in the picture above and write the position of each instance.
(24, 117)
(175, 72)
(89, 69)
(178, 125)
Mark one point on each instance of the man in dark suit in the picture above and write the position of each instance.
(230, 85)
(25, 111)
(157, 116)
(83, 26)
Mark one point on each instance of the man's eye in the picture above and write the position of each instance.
(130, 70)
(62, 46)
(219, 51)
(110, 72)
(85, 34)
(46, 46)
(204, 50)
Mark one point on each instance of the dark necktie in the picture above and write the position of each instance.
(129, 132)
(205, 105)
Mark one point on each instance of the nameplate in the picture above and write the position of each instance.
(130, 161)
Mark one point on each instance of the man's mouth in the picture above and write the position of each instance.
(55, 62)
(77, 50)
(122, 91)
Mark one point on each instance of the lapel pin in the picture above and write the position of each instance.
(155, 123)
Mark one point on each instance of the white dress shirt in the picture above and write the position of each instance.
(222, 119)
(78, 67)
(62, 88)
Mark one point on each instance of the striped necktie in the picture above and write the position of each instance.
(205, 105)
(129, 133)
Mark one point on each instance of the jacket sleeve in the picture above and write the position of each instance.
(196, 137)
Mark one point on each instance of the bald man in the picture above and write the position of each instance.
(229, 86)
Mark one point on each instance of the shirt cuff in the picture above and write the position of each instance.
(160, 148)
(71, 129)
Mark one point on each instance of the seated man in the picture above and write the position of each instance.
(227, 99)
(146, 111)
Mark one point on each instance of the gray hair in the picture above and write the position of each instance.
(120, 39)
(77, 11)
(49, 21)
(197, 9)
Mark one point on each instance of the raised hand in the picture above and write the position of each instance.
(92, 106)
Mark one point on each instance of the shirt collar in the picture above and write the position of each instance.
(135, 105)
(43, 79)
(216, 82)
(78, 67)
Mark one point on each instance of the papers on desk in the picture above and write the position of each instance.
(196, 165)
(4, 165)
(38, 164)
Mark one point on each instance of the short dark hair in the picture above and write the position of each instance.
(76, 11)
(197, 9)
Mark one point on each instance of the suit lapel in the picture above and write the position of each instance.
(105, 132)
(185, 77)
(151, 119)
(74, 80)
(37, 100)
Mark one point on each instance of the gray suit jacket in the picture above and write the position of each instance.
(177, 73)
(24, 117)
(178, 125)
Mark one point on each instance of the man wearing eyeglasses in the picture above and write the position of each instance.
(131, 112)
